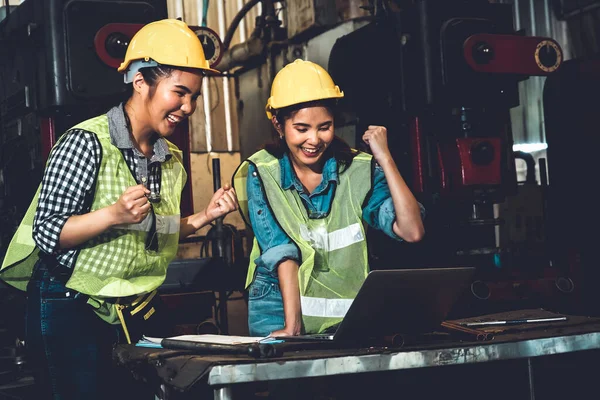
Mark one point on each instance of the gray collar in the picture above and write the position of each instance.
(119, 136)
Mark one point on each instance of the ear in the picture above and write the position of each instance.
(138, 82)
(277, 126)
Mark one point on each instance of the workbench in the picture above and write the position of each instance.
(510, 359)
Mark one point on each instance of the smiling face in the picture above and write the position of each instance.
(308, 132)
(171, 100)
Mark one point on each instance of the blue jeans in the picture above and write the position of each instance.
(69, 348)
(265, 306)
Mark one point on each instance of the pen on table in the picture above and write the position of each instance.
(514, 321)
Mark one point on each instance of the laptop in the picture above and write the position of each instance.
(399, 301)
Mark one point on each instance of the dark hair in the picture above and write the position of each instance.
(338, 148)
(151, 75)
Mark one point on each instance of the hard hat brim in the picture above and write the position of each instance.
(207, 71)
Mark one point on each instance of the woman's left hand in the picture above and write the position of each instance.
(222, 203)
(376, 138)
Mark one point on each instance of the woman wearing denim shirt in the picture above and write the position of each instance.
(301, 239)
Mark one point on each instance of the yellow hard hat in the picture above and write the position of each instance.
(299, 82)
(168, 41)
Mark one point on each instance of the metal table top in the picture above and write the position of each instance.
(479, 352)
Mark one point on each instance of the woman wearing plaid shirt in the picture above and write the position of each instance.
(106, 222)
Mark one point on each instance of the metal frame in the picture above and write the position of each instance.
(222, 377)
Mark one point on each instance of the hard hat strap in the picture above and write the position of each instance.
(135, 66)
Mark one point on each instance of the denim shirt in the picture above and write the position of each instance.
(275, 244)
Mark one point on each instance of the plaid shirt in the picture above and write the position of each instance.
(70, 179)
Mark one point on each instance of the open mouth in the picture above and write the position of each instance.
(310, 151)
(173, 119)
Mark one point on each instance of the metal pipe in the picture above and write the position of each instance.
(549, 31)
(533, 25)
(228, 123)
(242, 24)
(207, 114)
(550, 249)
(218, 241)
(517, 15)
(223, 393)
(200, 14)
(400, 49)
(218, 249)
(55, 56)
(530, 376)
(255, 350)
(205, 91)
(179, 12)
(226, 94)
(241, 53)
(476, 333)
(426, 46)
(236, 21)
(581, 10)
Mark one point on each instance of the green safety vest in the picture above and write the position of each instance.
(116, 263)
(333, 249)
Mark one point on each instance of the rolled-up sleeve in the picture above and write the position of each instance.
(379, 211)
(276, 246)
(68, 181)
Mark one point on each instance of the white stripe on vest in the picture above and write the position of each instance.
(325, 308)
(319, 238)
(166, 224)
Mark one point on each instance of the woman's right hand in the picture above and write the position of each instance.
(288, 330)
(133, 205)
(287, 272)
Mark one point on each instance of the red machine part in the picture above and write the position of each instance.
(512, 54)
(114, 35)
(416, 143)
(470, 161)
(480, 161)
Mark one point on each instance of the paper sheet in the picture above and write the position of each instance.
(219, 339)
(155, 342)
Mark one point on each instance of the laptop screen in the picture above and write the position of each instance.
(403, 301)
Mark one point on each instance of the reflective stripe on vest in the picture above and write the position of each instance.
(325, 308)
(330, 241)
(166, 224)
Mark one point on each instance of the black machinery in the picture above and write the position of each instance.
(442, 76)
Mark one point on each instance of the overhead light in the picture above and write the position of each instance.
(530, 147)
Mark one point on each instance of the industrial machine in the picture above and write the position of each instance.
(442, 76)
(461, 78)
(450, 74)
